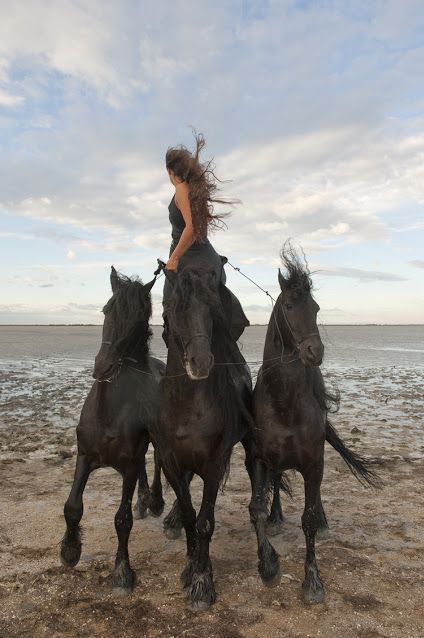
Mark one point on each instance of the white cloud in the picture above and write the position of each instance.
(8, 100)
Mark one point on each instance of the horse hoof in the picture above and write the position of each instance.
(121, 592)
(273, 529)
(313, 596)
(272, 581)
(156, 509)
(70, 555)
(172, 533)
(123, 579)
(198, 606)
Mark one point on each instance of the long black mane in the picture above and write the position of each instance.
(130, 309)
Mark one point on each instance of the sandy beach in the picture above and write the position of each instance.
(371, 562)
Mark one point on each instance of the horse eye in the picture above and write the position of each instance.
(288, 306)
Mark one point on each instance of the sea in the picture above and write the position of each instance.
(46, 372)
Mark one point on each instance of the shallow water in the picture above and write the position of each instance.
(46, 372)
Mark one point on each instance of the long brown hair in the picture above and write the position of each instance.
(203, 186)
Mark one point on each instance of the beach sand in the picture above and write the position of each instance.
(371, 562)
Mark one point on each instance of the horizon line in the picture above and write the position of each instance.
(159, 325)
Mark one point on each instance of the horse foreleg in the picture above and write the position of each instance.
(123, 576)
(275, 518)
(201, 590)
(188, 518)
(268, 565)
(157, 503)
(70, 549)
(313, 588)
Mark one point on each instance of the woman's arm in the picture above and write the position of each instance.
(187, 238)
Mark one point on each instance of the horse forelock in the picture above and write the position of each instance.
(298, 279)
(195, 284)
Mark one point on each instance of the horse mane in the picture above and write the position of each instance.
(299, 276)
(131, 310)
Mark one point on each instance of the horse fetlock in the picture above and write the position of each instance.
(123, 578)
(269, 565)
(156, 506)
(202, 591)
(312, 587)
(140, 509)
(187, 573)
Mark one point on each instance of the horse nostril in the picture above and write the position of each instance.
(211, 361)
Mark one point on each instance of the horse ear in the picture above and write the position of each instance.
(114, 279)
(147, 287)
(281, 280)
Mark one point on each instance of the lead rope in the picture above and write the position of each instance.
(273, 302)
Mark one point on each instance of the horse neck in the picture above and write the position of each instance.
(278, 341)
(139, 350)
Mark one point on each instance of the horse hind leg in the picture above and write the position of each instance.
(143, 495)
(323, 530)
(275, 519)
(123, 576)
(313, 588)
(70, 548)
(172, 523)
(268, 565)
(157, 503)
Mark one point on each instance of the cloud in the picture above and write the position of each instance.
(418, 263)
(7, 100)
(361, 275)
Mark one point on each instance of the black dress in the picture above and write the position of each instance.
(203, 251)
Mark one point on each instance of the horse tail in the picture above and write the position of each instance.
(358, 465)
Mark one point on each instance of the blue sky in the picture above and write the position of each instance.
(314, 111)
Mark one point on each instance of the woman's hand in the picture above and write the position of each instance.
(172, 264)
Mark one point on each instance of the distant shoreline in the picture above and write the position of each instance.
(158, 325)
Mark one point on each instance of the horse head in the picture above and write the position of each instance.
(194, 306)
(298, 310)
(126, 325)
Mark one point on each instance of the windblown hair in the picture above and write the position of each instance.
(202, 184)
(131, 309)
(299, 276)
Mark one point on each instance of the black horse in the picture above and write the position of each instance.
(205, 406)
(290, 407)
(116, 418)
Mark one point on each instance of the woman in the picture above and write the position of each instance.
(191, 215)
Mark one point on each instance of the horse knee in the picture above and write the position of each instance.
(205, 527)
(124, 520)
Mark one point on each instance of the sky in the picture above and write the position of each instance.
(312, 110)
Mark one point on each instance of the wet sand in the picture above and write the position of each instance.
(371, 562)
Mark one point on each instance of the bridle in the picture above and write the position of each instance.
(297, 342)
(197, 335)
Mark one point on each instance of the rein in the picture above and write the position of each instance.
(297, 342)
